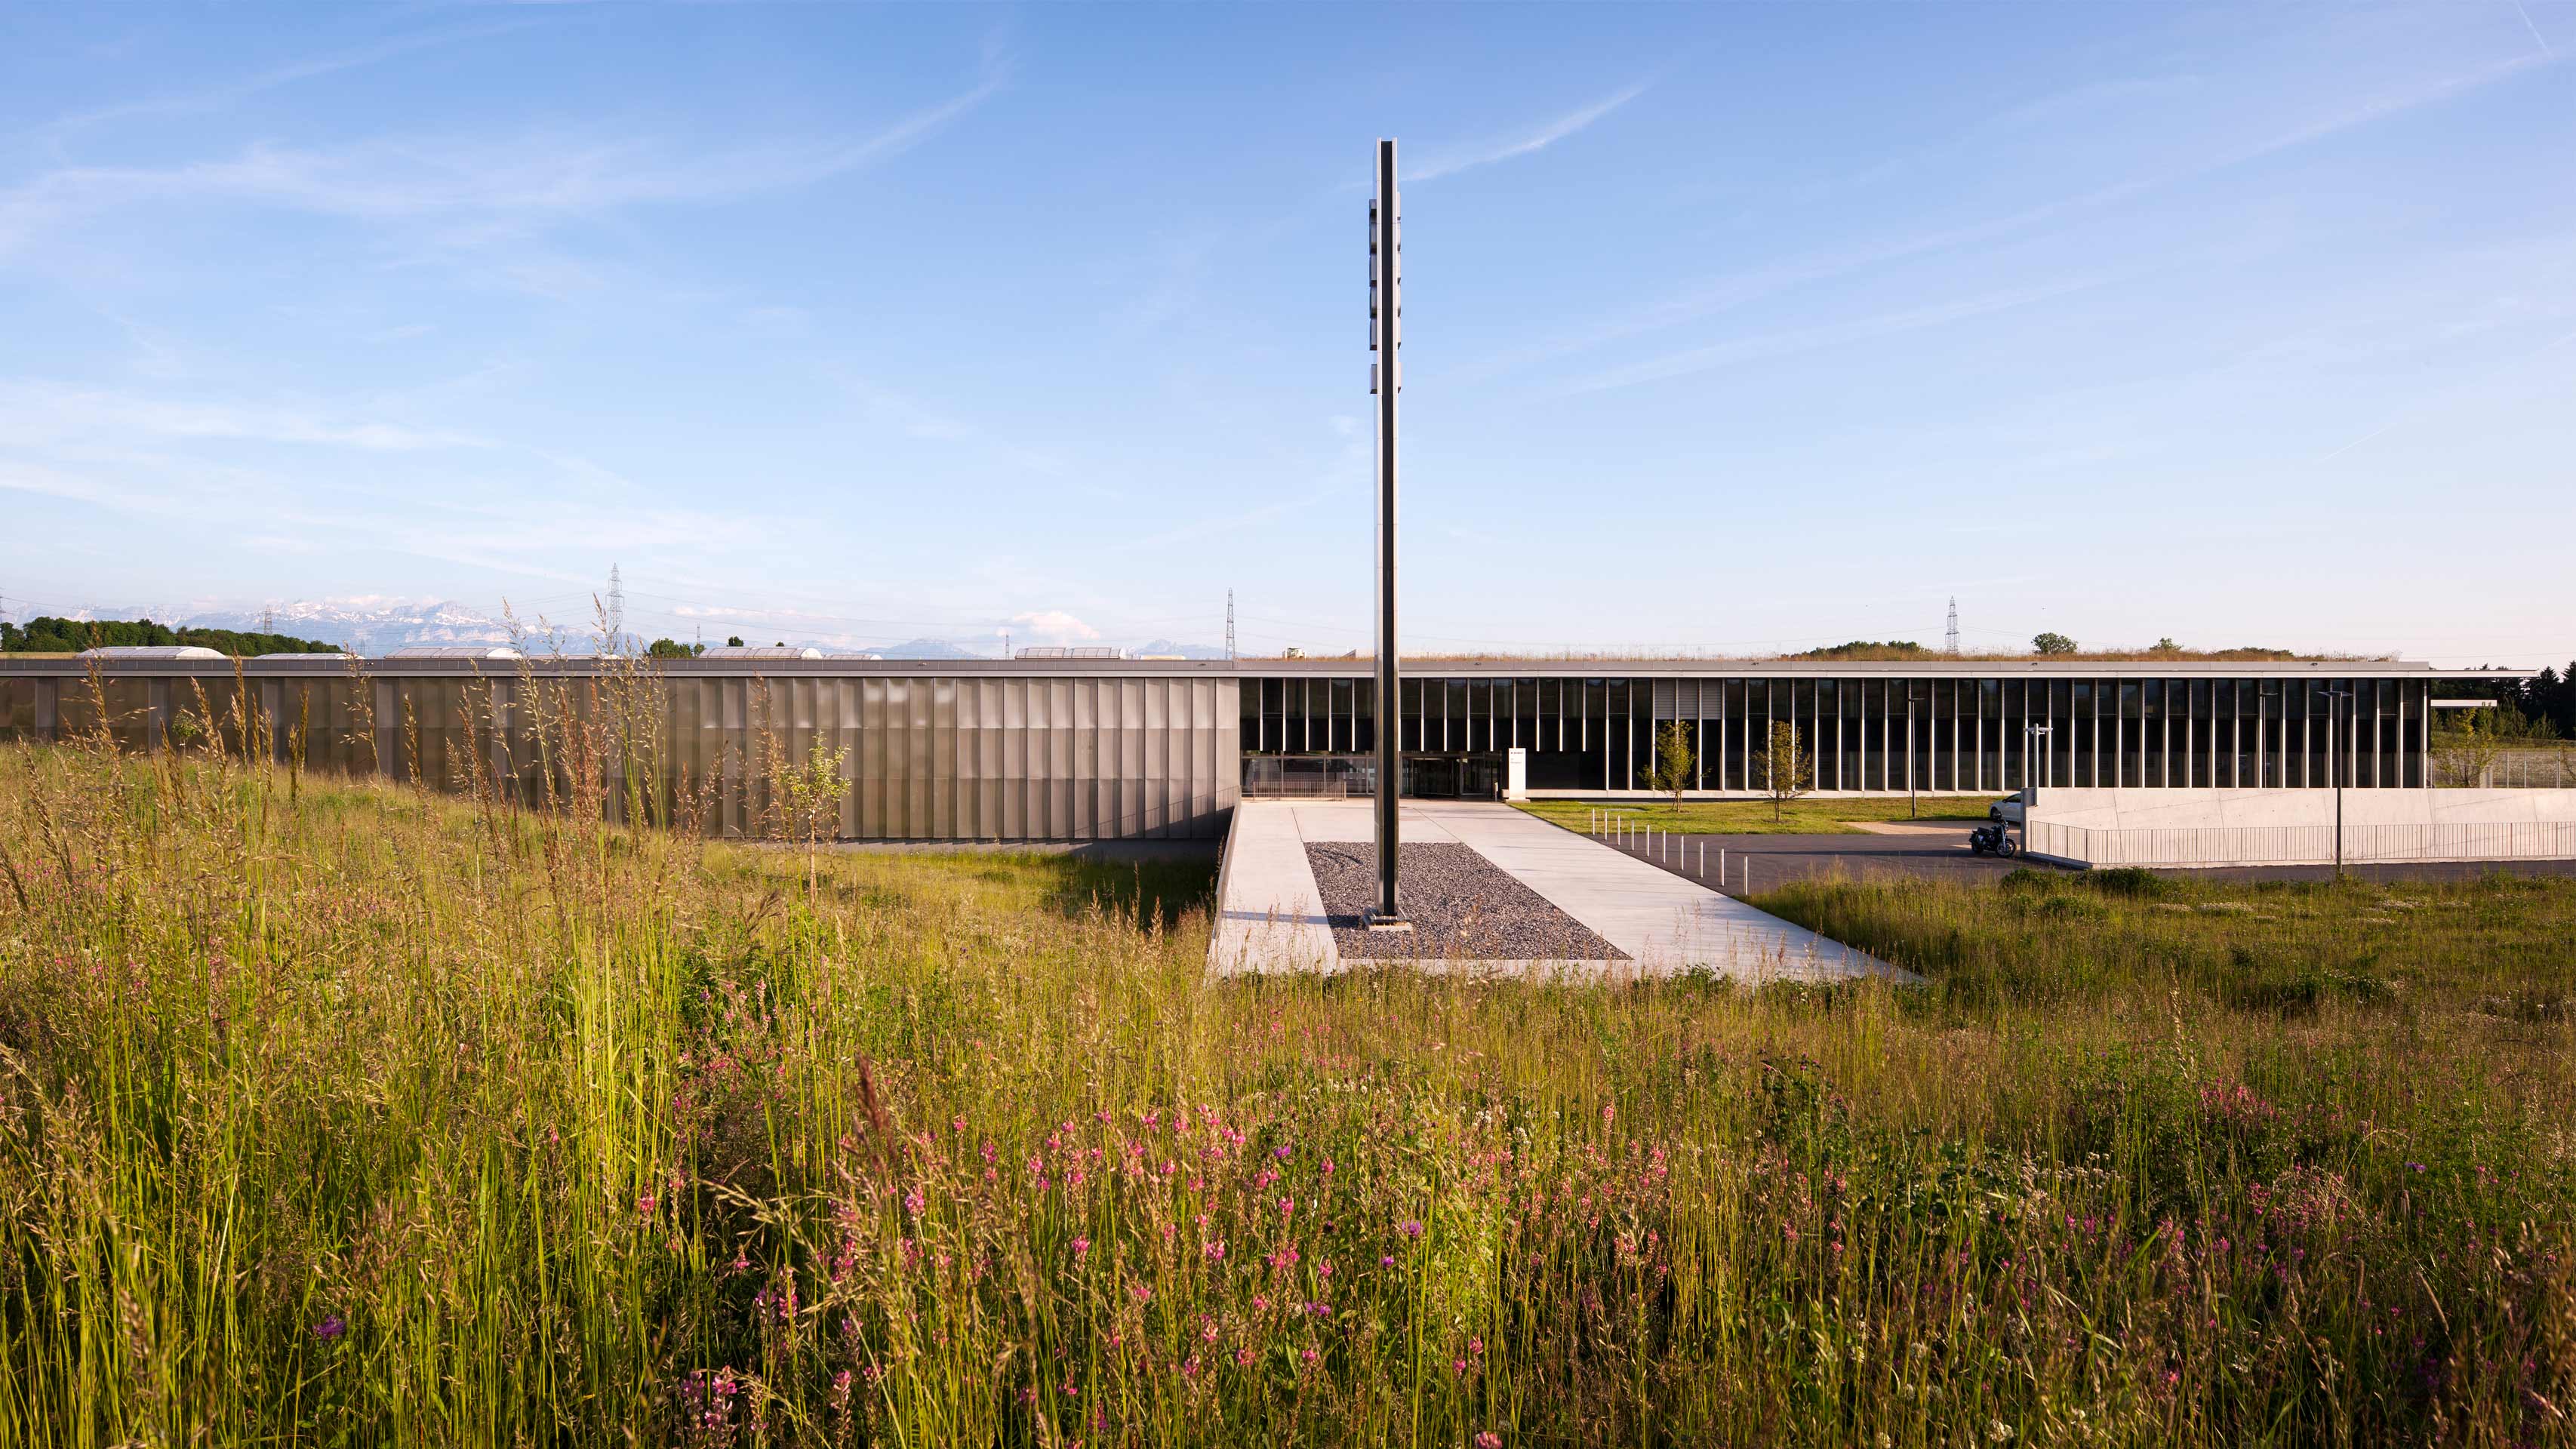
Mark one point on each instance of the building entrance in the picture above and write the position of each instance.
(1453, 777)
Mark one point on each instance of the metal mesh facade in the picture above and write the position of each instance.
(1016, 757)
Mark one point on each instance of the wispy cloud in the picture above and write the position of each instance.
(215, 98)
(1738, 350)
(1725, 292)
(1054, 626)
(41, 414)
(2536, 37)
(884, 407)
(1488, 152)
(478, 188)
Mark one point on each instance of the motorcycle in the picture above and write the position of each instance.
(1993, 840)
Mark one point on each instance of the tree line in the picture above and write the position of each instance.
(46, 634)
(2543, 705)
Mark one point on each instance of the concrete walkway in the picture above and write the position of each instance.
(1271, 918)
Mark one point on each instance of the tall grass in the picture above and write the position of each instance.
(331, 1112)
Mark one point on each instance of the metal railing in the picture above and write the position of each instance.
(1305, 778)
(2518, 769)
(2303, 844)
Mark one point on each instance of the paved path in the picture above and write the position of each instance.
(1272, 919)
(1929, 850)
(1922, 852)
(1269, 916)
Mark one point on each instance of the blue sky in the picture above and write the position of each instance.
(1739, 328)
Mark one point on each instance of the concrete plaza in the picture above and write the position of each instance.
(1271, 917)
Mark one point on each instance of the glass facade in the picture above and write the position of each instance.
(1874, 733)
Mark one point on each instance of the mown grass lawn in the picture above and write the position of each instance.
(1809, 815)
(335, 1113)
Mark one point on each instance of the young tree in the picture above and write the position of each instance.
(2465, 753)
(2052, 642)
(809, 798)
(1670, 774)
(1785, 767)
(2463, 756)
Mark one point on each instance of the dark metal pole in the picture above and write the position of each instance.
(1386, 334)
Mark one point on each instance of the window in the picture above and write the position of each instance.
(1990, 735)
(1848, 692)
(2152, 739)
(2082, 734)
(1620, 764)
(1730, 735)
(1873, 733)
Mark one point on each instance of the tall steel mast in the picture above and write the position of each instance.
(1386, 379)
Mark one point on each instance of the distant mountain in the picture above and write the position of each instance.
(927, 649)
(1186, 651)
(368, 624)
(372, 624)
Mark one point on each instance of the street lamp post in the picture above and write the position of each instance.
(2034, 740)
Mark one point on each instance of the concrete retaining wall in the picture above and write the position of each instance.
(2298, 827)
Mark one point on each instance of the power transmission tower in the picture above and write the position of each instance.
(616, 611)
(1952, 643)
(1229, 626)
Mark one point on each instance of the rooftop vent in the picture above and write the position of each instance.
(1068, 651)
(151, 651)
(453, 651)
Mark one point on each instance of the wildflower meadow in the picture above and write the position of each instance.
(336, 1112)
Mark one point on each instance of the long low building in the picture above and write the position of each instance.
(1082, 749)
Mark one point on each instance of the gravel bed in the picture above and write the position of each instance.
(1463, 907)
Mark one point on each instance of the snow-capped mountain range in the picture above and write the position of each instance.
(367, 624)
(371, 624)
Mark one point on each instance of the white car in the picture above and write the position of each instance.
(2008, 810)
